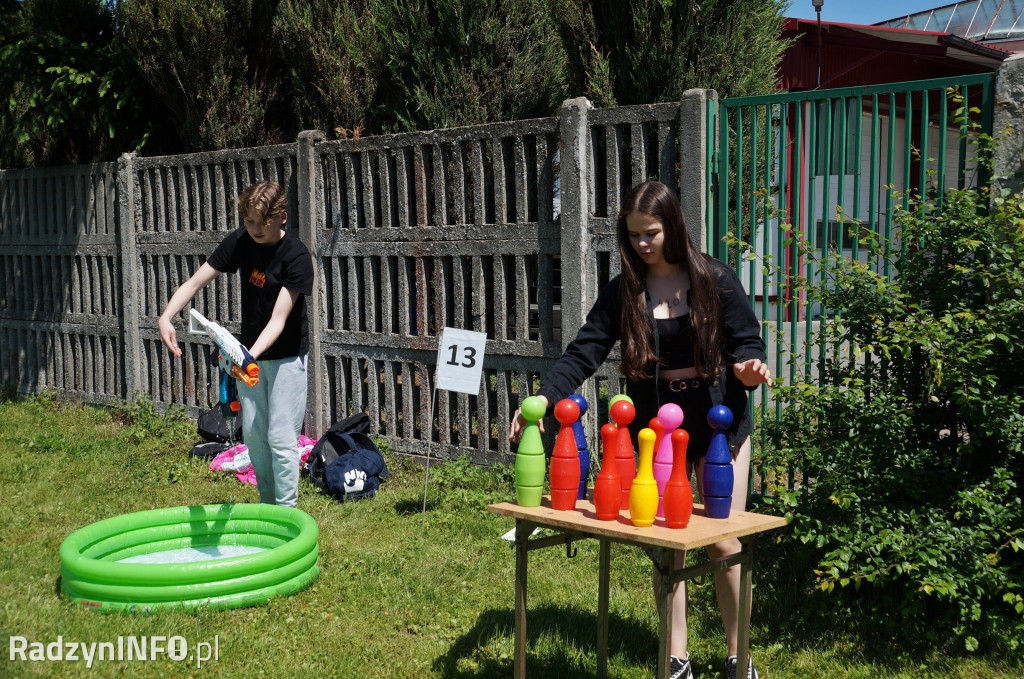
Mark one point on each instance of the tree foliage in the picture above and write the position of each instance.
(322, 46)
(447, 63)
(211, 64)
(911, 445)
(69, 96)
(90, 79)
(623, 52)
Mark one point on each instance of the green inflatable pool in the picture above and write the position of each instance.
(274, 553)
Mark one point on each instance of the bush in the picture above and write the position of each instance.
(319, 44)
(448, 63)
(646, 51)
(212, 65)
(911, 444)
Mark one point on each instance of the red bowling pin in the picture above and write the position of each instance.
(678, 498)
(623, 413)
(607, 488)
(564, 474)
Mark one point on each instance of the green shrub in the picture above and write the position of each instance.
(645, 51)
(448, 63)
(910, 446)
(319, 44)
(213, 65)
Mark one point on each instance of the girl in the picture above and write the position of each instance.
(688, 336)
(276, 273)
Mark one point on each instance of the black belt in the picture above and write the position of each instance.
(682, 384)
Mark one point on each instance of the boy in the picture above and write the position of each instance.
(276, 273)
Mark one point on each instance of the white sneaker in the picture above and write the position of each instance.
(730, 667)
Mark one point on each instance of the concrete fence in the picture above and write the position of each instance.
(506, 229)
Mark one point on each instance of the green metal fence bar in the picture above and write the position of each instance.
(783, 137)
(739, 181)
(891, 153)
(709, 133)
(964, 113)
(873, 176)
(794, 248)
(865, 90)
(923, 160)
(987, 113)
(943, 133)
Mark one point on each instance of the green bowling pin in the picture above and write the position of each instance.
(530, 461)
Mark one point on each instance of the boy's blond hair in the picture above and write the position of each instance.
(268, 199)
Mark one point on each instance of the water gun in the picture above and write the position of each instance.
(234, 358)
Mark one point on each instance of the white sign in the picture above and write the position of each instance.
(460, 360)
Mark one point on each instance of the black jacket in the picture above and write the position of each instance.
(598, 335)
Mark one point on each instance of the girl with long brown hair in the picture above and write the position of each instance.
(688, 336)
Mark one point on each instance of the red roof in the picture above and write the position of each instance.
(852, 54)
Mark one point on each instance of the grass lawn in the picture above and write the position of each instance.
(395, 598)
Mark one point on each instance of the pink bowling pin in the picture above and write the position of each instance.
(670, 416)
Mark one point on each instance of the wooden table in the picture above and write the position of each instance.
(659, 542)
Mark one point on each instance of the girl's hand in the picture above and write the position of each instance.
(753, 373)
(168, 336)
(515, 429)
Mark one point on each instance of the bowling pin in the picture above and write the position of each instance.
(565, 460)
(530, 455)
(718, 472)
(623, 412)
(643, 494)
(607, 489)
(581, 445)
(670, 417)
(678, 498)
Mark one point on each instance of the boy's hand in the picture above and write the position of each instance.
(753, 373)
(515, 428)
(168, 336)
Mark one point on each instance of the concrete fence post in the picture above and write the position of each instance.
(131, 291)
(576, 242)
(694, 142)
(577, 247)
(310, 197)
(1008, 124)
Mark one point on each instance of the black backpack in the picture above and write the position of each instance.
(213, 425)
(345, 462)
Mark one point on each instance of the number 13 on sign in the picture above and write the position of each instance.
(460, 360)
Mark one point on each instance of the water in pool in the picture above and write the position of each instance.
(190, 554)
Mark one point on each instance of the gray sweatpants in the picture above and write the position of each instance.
(272, 414)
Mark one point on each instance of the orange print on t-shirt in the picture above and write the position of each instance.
(257, 278)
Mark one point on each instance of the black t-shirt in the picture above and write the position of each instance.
(265, 269)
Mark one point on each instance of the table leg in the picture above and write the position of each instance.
(523, 530)
(604, 566)
(665, 569)
(743, 622)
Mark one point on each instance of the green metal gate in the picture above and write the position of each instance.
(816, 162)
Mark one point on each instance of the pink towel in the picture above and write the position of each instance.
(246, 474)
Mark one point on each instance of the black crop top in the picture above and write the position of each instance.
(674, 342)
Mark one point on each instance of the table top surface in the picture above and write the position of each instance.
(700, 532)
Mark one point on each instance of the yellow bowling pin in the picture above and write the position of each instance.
(643, 495)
